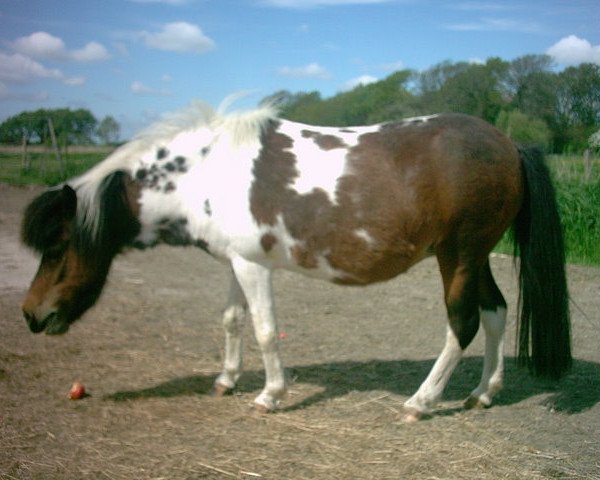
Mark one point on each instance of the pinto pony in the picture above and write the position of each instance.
(352, 205)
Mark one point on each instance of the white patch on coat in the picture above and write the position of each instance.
(432, 388)
(365, 235)
(319, 168)
(419, 120)
(182, 132)
(224, 178)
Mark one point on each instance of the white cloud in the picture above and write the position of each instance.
(392, 67)
(42, 45)
(573, 50)
(362, 80)
(92, 52)
(317, 3)
(74, 81)
(178, 37)
(18, 68)
(139, 88)
(312, 70)
(476, 61)
(497, 25)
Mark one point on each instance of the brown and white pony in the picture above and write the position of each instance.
(350, 205)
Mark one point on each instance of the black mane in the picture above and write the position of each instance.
(117, 225)
(47, 220)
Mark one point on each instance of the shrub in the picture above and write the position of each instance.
(524, 129)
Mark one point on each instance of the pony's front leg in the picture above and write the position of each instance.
(255, 281)
(432, 388)
(233, 323)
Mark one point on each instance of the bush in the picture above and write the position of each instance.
(524, 129)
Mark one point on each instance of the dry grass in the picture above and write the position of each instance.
(150, 350)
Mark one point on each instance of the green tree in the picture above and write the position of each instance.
(524, 129)
(17, 127)
(108, 130)
(472, 88)
(82, 127)
(520, 72)
(577, 108)
(375, 102)
(536, 95)
(429, 86)
(477, 90)
(302, 107)
(70, 126)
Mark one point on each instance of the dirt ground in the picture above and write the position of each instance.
(149, 351)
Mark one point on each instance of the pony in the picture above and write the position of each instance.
(351, 205)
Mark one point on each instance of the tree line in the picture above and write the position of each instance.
(71, 127)
(526, 98)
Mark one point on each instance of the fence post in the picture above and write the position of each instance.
(25, 159)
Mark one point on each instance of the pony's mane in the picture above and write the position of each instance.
(241, 127)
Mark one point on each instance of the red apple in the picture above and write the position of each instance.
(77, 391)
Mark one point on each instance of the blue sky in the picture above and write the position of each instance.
(136, 59)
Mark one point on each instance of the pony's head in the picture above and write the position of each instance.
(76, 253)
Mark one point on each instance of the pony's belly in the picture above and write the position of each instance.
(346, 266)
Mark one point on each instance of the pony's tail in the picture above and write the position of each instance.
(543, 297)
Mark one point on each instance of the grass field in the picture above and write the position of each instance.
(45, 168)
(579, 203)
(579, 199)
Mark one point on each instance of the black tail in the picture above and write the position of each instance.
(544, 300)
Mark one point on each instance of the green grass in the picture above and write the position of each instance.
(45, 169)
(579, 205)
(579, 200)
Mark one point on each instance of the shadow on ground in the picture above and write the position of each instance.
(577, 392)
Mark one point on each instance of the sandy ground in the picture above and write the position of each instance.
(149, 351)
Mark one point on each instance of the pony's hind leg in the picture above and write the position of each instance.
(461, 293)
(492, 308)
(233, 323)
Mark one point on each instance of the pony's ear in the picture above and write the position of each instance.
(44, 220)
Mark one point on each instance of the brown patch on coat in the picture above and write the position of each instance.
(274, 170)
(454, 180)
(268, 241)
(324, 142)
(303, 257)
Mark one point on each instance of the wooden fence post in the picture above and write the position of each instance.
(25, 159)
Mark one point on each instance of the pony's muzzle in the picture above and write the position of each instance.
(53, 324)
(34, 325)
